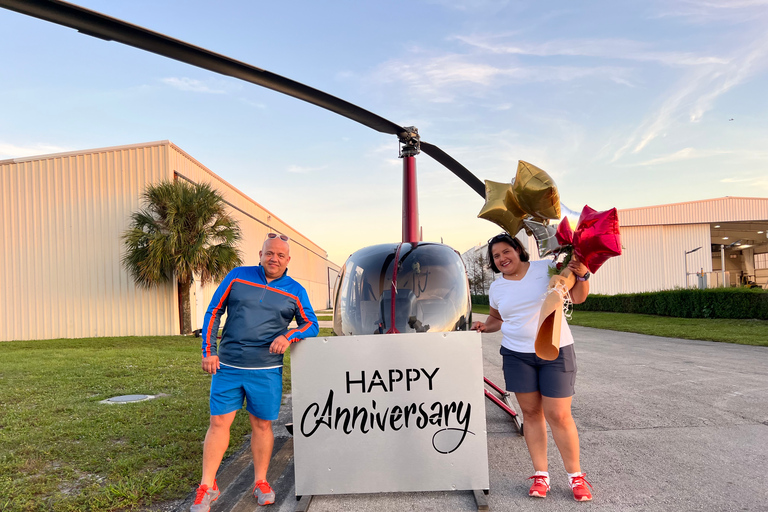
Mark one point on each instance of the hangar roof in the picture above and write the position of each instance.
(705, 211)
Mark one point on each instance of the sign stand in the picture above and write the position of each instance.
(389, 414)
(303, 503)
(481, 499)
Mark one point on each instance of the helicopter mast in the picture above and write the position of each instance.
(410, 147)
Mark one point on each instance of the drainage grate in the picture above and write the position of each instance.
(127, 399)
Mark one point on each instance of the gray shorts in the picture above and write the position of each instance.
(526, 372)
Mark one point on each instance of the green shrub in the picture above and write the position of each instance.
(480, 299)
(684, 303)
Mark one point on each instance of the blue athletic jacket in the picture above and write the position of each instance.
(257, 314)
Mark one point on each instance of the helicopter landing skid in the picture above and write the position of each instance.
(504, 403)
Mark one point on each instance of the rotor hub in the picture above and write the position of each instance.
(409, 142)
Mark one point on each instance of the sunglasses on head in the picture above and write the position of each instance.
(504, 237)
(284, 238)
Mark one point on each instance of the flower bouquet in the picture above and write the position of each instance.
(595, 239)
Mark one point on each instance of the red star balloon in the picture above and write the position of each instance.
(596, 238)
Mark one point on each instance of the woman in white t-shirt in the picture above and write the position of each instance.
(543, 389)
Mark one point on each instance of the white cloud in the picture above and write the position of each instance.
(254, 104)
(753, 184)
(8, 151)
(383, 153)
(753, 59)
(661, 119)
(728, 4)
(760, 183)
(297, 169)
(472, 5)
(714, 11)
(696, 94)
(441, 79)
(190, 85)
(383, 148)
(735, 180)
(685, 154)
(623, 49)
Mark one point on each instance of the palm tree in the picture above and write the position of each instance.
(183, 229)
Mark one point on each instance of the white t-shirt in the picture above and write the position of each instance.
(519, 304)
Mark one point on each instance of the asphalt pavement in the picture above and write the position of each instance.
(665, 425)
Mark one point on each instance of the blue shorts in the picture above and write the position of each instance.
(526, 372)
(261, 389)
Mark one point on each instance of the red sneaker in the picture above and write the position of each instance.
(540, 486)
(579, 486)
(263, 493)
(204, 497)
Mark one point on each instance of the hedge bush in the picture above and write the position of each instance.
(685, 303)
(690, 303)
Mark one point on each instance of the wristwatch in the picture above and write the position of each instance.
(584, 277)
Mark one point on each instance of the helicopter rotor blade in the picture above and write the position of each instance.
(105, 27)
(454, 166)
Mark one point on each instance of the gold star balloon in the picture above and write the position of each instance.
(495, 208)
(532, 194)
(535, 192)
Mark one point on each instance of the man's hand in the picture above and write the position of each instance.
(279, 345)
(478, 326)
(211, 364)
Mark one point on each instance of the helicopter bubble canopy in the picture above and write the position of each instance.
(431, 295)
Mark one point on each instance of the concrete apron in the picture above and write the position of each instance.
(664, 424)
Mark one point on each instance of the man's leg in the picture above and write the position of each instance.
(216, 443)
(262, 442)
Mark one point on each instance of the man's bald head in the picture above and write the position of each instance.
(274, 257)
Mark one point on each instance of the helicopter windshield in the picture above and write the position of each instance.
(432, 292)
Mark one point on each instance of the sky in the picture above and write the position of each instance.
(625, 104)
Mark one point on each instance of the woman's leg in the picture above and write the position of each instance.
(557, 412)
(535, 428)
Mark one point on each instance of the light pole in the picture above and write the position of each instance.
(686, 263)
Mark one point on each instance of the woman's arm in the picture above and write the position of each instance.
(580, 290)
(492, 324)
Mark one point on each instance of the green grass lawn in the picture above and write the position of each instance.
(744, 332)
(62, 450)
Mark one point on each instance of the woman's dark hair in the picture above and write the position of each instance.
(512, 241)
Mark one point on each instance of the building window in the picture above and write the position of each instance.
(761, 260)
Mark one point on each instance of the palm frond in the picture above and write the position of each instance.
(182, 229)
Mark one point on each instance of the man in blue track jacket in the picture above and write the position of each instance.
(248, 362)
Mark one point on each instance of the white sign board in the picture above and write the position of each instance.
(389, 413)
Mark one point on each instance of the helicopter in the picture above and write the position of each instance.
(400, 287)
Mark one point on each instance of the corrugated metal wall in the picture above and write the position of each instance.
(60, 252)
(653, 258)
(62, 219)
